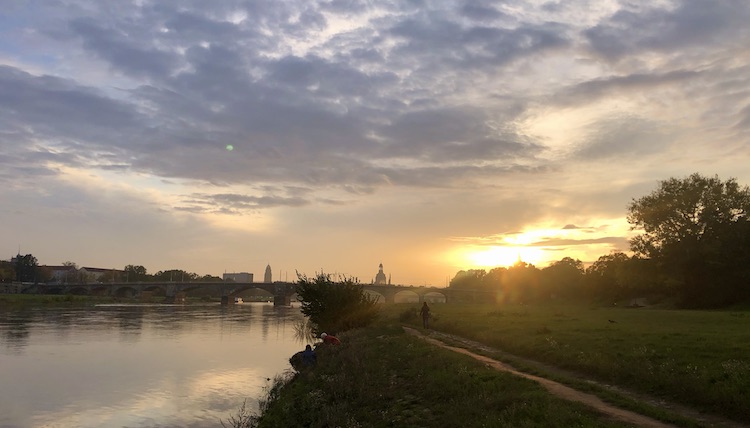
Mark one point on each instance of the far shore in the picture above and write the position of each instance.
(50, 300)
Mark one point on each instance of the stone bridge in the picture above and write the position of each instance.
(281, 291)
(173, 291)
(426, 293)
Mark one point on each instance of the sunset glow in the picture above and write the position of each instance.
(496, 256)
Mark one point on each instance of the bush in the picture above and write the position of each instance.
(335, 306)
(407, 315)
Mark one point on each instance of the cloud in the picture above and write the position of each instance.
(614, 86)
(122, 52)
(235, 203)
(682, 27)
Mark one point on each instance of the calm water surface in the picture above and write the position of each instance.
(140, 365)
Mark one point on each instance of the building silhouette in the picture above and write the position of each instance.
(380, 277)
(238, 277)
(268, 278)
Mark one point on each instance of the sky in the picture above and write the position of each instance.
(333, 136)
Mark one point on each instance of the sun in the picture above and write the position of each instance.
(502, 256)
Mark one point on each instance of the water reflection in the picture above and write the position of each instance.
(138, 365)
(303, 331)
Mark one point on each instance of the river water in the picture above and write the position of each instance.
(140, 365)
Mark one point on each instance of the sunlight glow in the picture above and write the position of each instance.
(541, 245)
(497, 256)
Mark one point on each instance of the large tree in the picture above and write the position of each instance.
(26, 268)
(472, 278)
(521, 283)
(135, 273)
(697, 229)
(562, 278)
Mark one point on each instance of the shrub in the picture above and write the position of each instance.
(335, 306)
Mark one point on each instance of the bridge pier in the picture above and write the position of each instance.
(282, 300)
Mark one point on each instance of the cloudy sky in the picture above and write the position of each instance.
(221, 136)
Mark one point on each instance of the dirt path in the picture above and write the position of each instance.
(552, 386)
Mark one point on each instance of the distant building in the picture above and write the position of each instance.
(62, 274)
(92, 274)
(380, 277)
(268, 278)
(238, 277)
(69, 274)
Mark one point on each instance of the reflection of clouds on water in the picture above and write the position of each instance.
(201, 401)
(141, 365)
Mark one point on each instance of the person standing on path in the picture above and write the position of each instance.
(425, 312)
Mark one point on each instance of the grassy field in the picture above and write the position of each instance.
(381, 377)
(699, 358)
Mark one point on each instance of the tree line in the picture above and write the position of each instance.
(693, 246)
(26, 268)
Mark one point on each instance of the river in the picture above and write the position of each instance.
(140, 365)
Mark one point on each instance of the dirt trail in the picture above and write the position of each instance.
(554, 387)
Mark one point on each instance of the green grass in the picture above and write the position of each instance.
(381, 377)
(698, 358)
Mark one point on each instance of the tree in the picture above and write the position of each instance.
(494, 278)
(605, 277)
(71, 275)
(521, 283)
(335, 306)
(26, 268)
(471, 278)
(7, 271)
(174, 275)
(697, 230)
(563, 278)
(134, 273)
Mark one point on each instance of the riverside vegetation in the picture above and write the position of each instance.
(382, 377)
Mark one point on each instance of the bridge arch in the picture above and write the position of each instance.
(125, 292)
(435, 297)
(407, 296)
(155, 290)
(79, 291)
(99, 290)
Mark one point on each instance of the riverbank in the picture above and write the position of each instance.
(31, 300)
(382, 377)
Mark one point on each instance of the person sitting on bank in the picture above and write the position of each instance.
(308, 356)
(330, 339)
